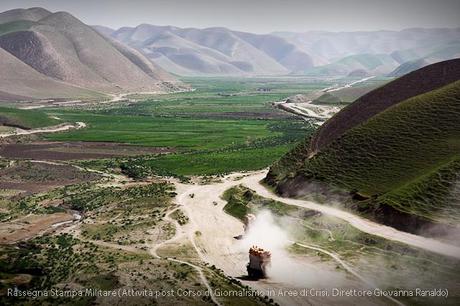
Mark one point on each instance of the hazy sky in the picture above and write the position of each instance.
(259, 16)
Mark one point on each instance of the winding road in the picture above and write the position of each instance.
(307, 110)
(51, 129)
(180, 233)
(216, 245)
(210, 231)
(358, 222)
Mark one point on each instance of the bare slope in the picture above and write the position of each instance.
(60, 46)
(213, 51)
(31, 14)
(18, 81)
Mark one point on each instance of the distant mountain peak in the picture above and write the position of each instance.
(214, 50)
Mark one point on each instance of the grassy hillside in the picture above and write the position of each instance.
(25, 118)
(438, 191)
(400, 143)
(406, 157)
(412, 84)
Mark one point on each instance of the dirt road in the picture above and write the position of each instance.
(211, 232)
(335, 88)
(51, 129)
(360, 223)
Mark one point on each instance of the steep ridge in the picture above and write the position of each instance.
(407, 67)
(31, 14)
(211, 51)
(61, 47)
(19, 81)
(399, 163)
(412, 84)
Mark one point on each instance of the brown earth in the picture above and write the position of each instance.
(74, 150)
(32, 177)
(30, 226)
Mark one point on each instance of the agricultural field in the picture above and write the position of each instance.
(26, 119)
(180, 133)
(155, 163)
(227, 98)
(224, 125)
(115, 199)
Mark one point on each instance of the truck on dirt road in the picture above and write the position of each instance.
(259, 261)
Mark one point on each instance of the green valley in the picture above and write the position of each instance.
(265, 153)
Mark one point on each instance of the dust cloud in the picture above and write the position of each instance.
(267, 233)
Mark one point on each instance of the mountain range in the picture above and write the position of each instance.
(220, 51)
(47, 55)
(213, 51)
(55, 55)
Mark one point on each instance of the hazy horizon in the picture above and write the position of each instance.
(260, 16)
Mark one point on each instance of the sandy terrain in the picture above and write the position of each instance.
(216, 245)
(32, 225)
(210, 231)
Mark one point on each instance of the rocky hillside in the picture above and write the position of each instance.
(61, 49)
(395, 152)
